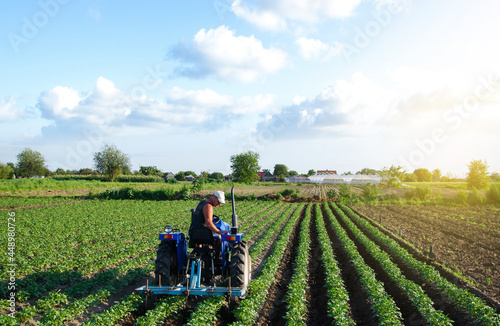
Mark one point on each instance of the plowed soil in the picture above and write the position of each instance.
(466, 239)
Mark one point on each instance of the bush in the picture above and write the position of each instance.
(475, 198)
(331, 193)
(345, 194)
(286, 192)
(184, 193)
(294, 193)
(423, 192)
(344, 191)
(146, 194)
(371, 192)
(461, 197)
(493, 194)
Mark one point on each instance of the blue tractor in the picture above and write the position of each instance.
(201, 271)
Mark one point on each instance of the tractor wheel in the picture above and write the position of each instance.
(166, 264)
(249, 267)
(240, 266)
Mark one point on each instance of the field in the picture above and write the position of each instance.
(464, 238)
(78, 261)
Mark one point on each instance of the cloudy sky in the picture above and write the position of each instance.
(317, 84)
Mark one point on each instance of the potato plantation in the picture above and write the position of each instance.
(314, 263)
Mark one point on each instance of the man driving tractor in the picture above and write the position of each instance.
(203, 229)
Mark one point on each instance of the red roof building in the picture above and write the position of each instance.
(320, 172)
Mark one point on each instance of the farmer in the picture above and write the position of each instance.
(203, 229)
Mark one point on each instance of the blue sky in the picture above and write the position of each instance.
(341, 85)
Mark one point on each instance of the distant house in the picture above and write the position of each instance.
(189, 178)
(228, 177)
(170, 175)
(322, 172)
(266, 176)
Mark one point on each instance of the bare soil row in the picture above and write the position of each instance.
(465, 239)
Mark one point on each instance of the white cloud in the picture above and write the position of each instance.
(273, 15)
(349, 107)
(231, 58)
(360, 106)
(108, 106)
(59, 102)
(104, 105)
(8, 112)
(315, 49)
(265, 19)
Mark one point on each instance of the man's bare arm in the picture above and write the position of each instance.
(208, 212)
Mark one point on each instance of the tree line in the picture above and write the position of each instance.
(111, 162)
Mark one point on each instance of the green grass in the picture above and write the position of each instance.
(45, 184)
(452, 185)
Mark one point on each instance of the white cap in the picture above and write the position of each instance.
(220, 196)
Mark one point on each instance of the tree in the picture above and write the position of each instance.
(409, 177)
(30, 163)
(6, 171)
(478, 175)
(111, 161)
(150, 170)
(86, 171)
(179, 176)
(191, 173)
(311, 172)
(60, 171)
(393, 175)
(436, 175)
(280, 171)
(367, 171)
(245, 166)
(216, 175)
(292, 173)
(495, 177)
(423, 175)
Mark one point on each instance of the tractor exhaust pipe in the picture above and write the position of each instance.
(234, 217)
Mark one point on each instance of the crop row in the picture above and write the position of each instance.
(70, 236)
(382, 304)
(338, 307)
(248, 309)
(205, 314)
(411, 290)
(473, 306)
(124, 307)
(162, 310)
(81, 296)
(35, 284)
(296, 296)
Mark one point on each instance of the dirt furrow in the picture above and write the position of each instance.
(274, 309)
(316, 294)
(458, 317)
(360, 307)
(408, 312)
